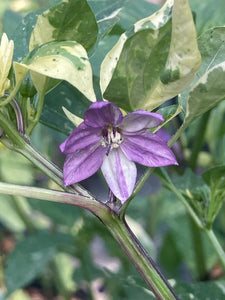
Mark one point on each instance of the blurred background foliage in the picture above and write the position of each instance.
(69, 251)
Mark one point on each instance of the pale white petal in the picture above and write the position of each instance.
(120, 174)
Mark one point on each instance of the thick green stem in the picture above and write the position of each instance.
(119, 229)
(141, 260)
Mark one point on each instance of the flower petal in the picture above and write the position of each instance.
(139, 120)
(120, 173)
(82, 164)
(83, 136)
(148, 149)
(101, 114)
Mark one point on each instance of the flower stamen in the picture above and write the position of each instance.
(111, 138)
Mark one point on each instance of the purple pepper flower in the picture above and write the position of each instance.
(108, 140)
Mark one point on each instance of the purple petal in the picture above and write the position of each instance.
(148, 149)
(102, 113)
(83, 136)
(120, 173)
(82, 164)
(139, 120)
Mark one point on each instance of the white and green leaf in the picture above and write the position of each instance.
(66, 60)
(208, 91)
(153, 62)
(72, 20)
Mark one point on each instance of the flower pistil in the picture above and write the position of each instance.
(112, 138)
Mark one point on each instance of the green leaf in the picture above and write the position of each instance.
(64, 95)
(28, 260)
(206, 93)
(72, 20)
(10, 21)
(56, 211)
(168, 113)
(15, 168)
(8, 215)
(21, 36)
(204, 17)
(201, 290)
(215, 179)
(153, 62)
(130, 287)
(106, 13)
(66, 60)
(132, 11)
(189, 181)
(212, 48)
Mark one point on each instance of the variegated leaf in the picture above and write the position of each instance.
(206, 93)
(153, 62)
(71, 20)
(65, 60)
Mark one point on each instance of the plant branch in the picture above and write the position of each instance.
(140, 258)
(90, 204)
(36, 119)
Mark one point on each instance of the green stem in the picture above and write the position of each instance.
(177, 135)
(169, 184)
(119, 229)
(9, 128)
(214, 241)
(14, 92)
(138, 256)
(221, 254)
(90, 204)
(37, 117)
